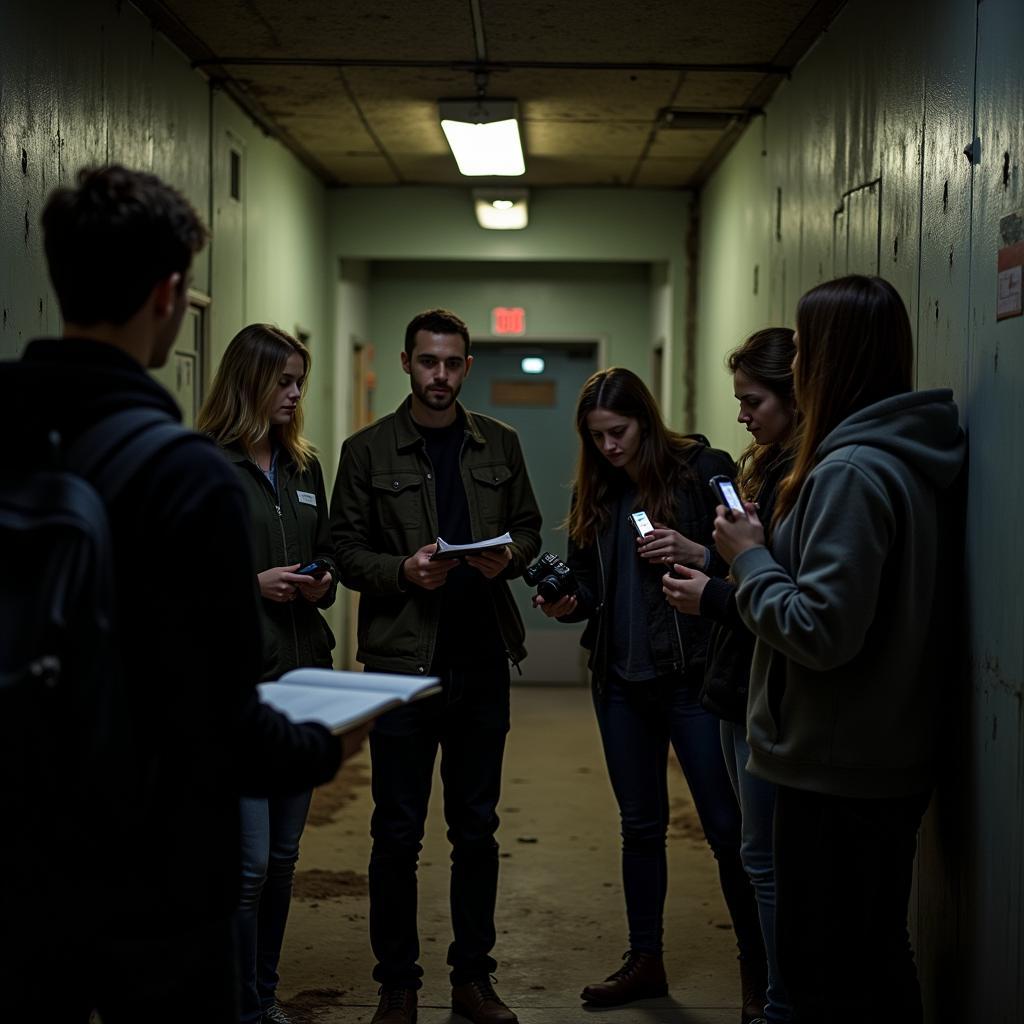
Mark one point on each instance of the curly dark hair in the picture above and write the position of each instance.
(111, 239)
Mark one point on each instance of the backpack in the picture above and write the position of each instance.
(65, 729)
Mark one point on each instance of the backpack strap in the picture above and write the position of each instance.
(110, 453)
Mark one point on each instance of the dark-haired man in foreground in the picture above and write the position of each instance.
(136, 918)
(433, 469)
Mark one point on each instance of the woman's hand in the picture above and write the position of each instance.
(669, 546)
(563, 606)
(312, 588)
(735, 534)
(684, 592)
(281, 583)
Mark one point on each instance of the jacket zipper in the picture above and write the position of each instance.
(291, 610)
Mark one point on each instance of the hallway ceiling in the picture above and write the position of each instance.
(352, 86)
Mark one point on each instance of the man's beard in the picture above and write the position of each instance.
(436, 400)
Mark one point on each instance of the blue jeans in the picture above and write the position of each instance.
(757, 807)
(638, 721)
(468, 722)
(271, 829)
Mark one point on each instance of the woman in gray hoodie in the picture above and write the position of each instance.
(847, 607)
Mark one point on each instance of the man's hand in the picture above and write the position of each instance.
(313, 588)
(562, 606)
(281, 583)
(684, 593)
(352, 741)
(735, 534)
(491, 562)
(421, 571)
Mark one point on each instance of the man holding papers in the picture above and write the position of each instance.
(430, 470)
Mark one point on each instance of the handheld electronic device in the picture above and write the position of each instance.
(315, 568)
(727, 494)
(641, 523)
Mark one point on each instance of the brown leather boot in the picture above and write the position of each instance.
(397, 1006)
(477, 1001)
(642, 976)
(754, 985)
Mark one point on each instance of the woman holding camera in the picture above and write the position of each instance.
(848, 606)
(254, 412)
(763, 384)
(647, 660)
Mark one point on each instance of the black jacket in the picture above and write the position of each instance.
(731, 646)
(191, 651)
(288, 527)
(678, 642)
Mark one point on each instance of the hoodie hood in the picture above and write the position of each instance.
(68, 384)
(921, 428)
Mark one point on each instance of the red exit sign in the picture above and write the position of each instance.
(508, 320)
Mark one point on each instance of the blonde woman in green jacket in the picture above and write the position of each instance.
(254, 412)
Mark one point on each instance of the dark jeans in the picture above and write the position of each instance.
(638, 721)
(469, 722)
(843, 872)
(271, 829)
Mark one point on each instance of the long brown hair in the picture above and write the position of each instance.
(661, 457)
(238, 408)
(854, 348)
(766, 358)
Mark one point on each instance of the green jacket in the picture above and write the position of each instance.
(291, 526)
(384, 509)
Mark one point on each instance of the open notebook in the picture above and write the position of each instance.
(446, 550)
(343, 700)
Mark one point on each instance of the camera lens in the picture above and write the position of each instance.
(548, 589)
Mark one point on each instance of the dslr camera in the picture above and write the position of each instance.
(551, 576)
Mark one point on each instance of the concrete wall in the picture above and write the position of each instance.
(604, 302)
(106, 87)
(858, 165)
(568, 226)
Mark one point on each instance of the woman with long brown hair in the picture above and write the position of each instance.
(762, 379)
(847, 606)
(254, 411)
(647, 660)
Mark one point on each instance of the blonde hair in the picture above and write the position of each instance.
(238, 407)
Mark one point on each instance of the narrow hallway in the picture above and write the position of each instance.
(561, 920)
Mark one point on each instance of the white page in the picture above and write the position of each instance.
(404, 687)
(445, 549)
(337, 710)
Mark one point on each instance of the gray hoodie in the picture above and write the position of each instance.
(845, 679)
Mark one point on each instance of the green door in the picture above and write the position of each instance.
(542, 408)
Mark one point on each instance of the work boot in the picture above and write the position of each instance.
(754, 986)
(642, 976)
(477, 1001)
(397, 1006)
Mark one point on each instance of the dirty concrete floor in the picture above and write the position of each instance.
(561, 921)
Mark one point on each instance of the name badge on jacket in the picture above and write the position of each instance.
(306, 498)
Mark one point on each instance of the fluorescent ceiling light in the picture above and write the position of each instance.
(532, 364)
(501, 209)
(484, 136)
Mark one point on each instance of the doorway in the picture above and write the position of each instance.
(541, 406)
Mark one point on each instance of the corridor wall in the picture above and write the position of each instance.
(859, 165)
(90, 82)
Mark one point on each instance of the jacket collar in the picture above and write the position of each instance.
(407, 436)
